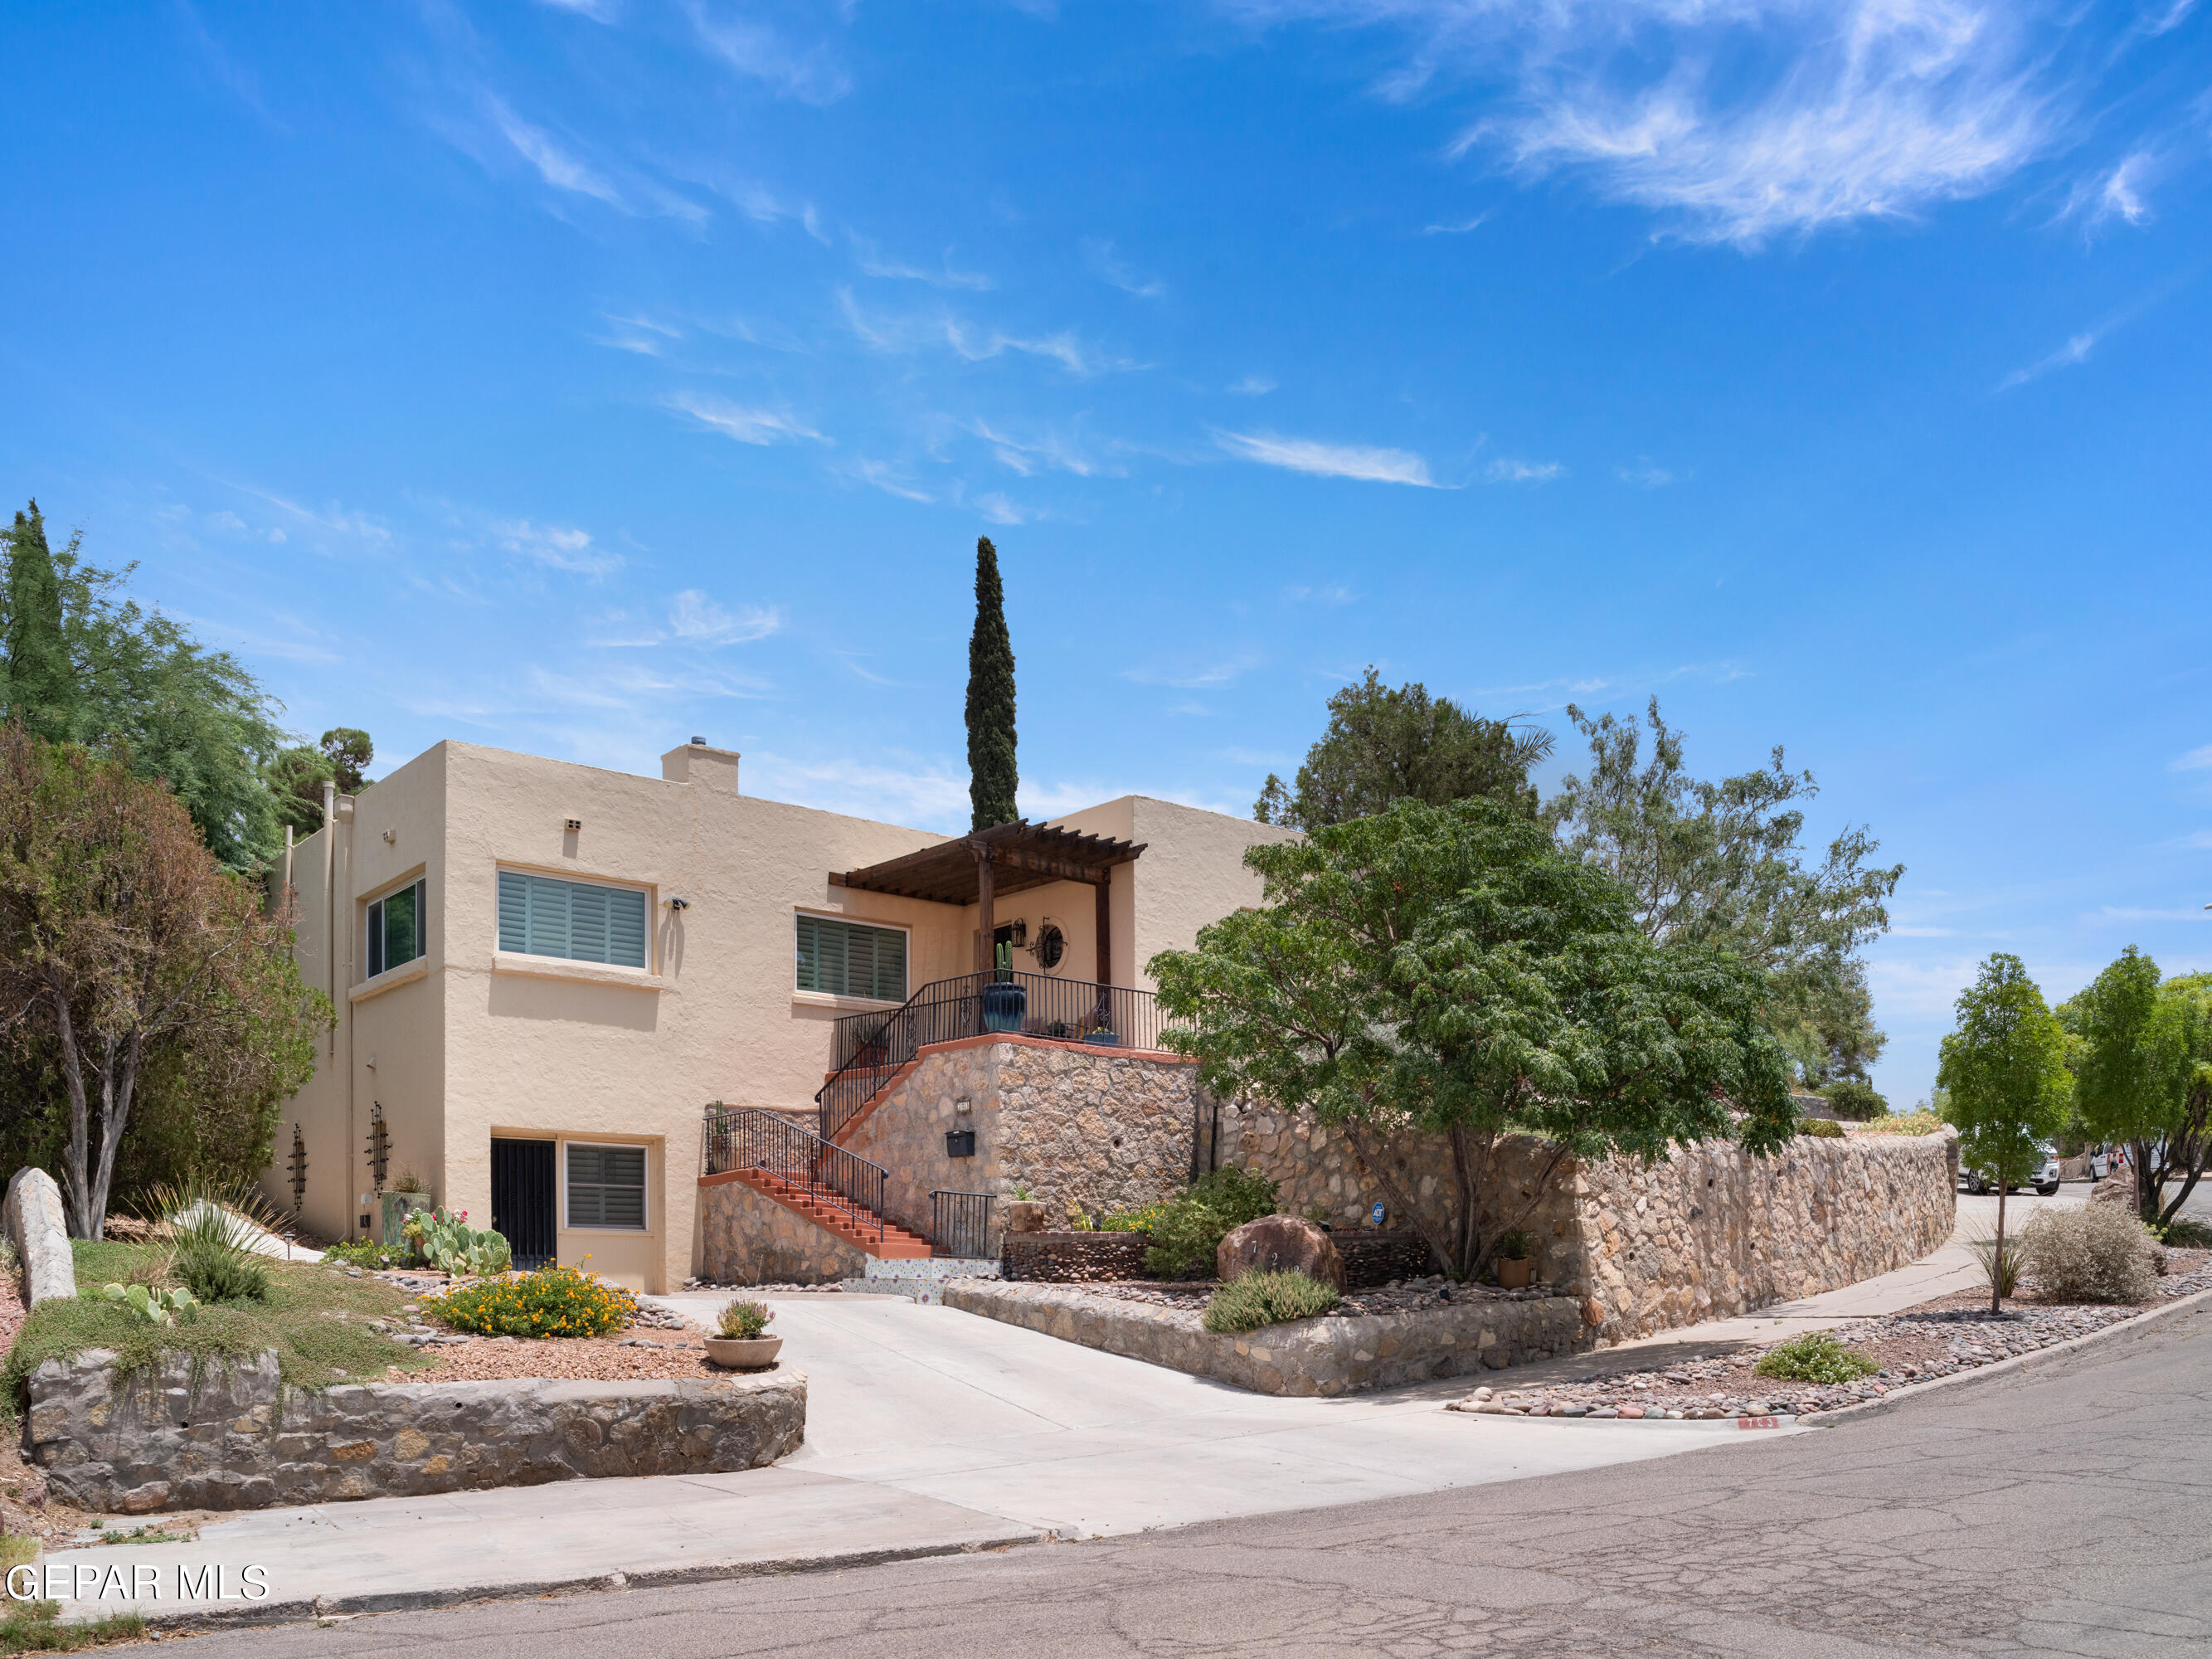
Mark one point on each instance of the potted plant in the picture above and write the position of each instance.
(1024, 1213)
(1005, 1004)
(739, 1345)
(1515, 1268)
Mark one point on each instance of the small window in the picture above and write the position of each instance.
(606, 1187)
(849, 960)
(581, 921)
(395, 929)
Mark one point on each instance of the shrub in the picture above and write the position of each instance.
(1142, 1220)
(363, 1253)
(1815, 1357)
(1191, 1226)
(550, 1302)
(1515, 1244)
(1912, 1123)
(745, 1320)
(1261, 1297)
(1855, 1100)
(1821, 1128)
(2183, 1234)
(2000, 1267)
(39, 1627)
(215, 1274)
(2099, 1253)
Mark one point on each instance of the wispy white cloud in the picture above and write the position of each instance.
(929, 794)
(879, 474)
(746, 425)
(559, 547)
(811, 74)
(1325, 460)
(1646, 474)
(1334, 594)
(1252, 385)
(599, 11)
(873, 263)
(2117, 194)
(2126, 913)
(913, 332)
(2076, 350)
(1505, 471)
(1459, 230)
(1108, 267)
(2195, 760)
(1201, 676)
(555, 165)
(1737, 119)
(694, 619)
(1049, 451)
(997, 509)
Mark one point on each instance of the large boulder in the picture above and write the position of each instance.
(1279, 1243)
(39, 1229)
(2118, 1187)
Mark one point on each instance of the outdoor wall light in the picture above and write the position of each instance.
(679, 904)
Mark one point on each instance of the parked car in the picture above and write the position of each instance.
(2045, 1179)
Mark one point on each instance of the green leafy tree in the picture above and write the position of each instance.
(129, 957)
(991, 774)
(1855, 1100)
(2138, 1054)
(1721, 864)
(2003, 1081)
(1383, 745)
(1447, 971)
(296, 776)
(85, 666)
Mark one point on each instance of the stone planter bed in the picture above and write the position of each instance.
(1325, 1355)
(1941, 1338)
(1414, 1296)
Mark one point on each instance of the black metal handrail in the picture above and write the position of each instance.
(960, 1224)
(744, 1138)
(866, 1048)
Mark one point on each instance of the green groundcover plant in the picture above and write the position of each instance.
(38, 1628)
(550, 1302)
(1815, 1357)
(1263, 1297)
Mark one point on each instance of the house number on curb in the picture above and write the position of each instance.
(1756, 1423)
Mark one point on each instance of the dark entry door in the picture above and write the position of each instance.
(522, 1199)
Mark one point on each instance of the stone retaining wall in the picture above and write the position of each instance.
(1323, 1356)
(1707, 1233)
(746, 1237)
(1107, 1128)
(236, 1438)
(1375, 1259)
(1074, 1258)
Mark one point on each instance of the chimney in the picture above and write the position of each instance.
(698, 762)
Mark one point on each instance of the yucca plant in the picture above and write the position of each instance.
(2000, 1259)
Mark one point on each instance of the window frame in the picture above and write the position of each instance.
(568, 1225)
(906, 955)
(645, 891)
(374, 966)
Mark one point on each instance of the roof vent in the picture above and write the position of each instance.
(702, 742)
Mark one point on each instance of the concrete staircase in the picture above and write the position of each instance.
(835, 1213)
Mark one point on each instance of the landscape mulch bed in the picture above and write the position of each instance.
(630, 1355)
(1941, 1338)
(1412, 1296)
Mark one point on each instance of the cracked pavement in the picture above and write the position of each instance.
(2059, 1510)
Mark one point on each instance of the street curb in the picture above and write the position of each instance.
(348, 1606)
(2017, 1363)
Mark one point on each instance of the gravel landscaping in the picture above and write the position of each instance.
(1941, 1338)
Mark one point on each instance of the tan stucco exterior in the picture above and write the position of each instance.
(468, 1044)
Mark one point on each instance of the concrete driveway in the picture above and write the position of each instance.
(936, 1403)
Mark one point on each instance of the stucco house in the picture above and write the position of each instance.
(576, 1003)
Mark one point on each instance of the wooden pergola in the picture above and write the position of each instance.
(1008, 858)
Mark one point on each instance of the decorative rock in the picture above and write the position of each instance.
(237, 1438)
(1279, 1243)
(36, 1222)
(1024, 1215)
(2118, 1187)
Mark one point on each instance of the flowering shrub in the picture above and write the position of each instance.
(550, 1302)
(1815, 1357)
(745, 1321)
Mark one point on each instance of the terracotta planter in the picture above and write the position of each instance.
(1025, 1215)
(739, 1353)
(1515, 1275)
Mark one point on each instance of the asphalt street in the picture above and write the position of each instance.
(2058, 1511)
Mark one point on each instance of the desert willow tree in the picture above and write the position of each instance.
(127, 949)
(1448, 971)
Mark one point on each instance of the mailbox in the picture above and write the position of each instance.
(960, 1143)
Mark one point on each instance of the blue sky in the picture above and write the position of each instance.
(575, 376)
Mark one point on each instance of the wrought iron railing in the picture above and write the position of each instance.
(866, 1048)
(960, 1224)
(744, 1138)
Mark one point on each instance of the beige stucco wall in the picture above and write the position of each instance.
(466, 1044)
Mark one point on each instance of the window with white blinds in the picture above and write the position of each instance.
(847, 959)
(543, 916)
(606, 1186)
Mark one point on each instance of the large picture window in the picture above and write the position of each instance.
(395, 929)
(580, 921)
(847, 959)
(606, 1187)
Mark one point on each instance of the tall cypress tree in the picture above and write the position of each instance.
(991, 771)
(38, 690)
